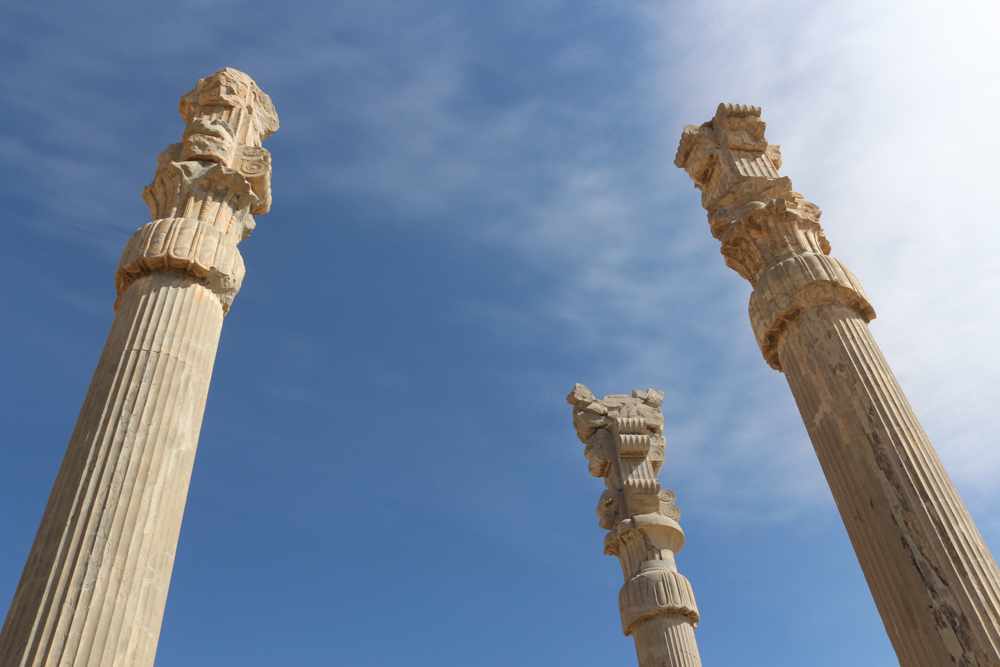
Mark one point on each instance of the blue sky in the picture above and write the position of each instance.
(475, 207)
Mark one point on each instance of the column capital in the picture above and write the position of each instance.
(625, 446)
(770, 234)
(207, 188)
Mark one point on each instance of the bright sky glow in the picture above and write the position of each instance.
(475, 207)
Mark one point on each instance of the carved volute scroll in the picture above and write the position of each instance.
(625, 446)
(770, 234)
(207, 188)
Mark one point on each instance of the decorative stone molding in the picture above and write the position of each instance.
(795, 283)
(625, 446)
(656, 591)
(217, 178)
(936, 585)
(762, 222)
(183, 244)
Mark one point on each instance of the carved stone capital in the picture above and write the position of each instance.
(658, 530)
(207, 188)
(207, 191)
(182, 244)
(751, 209)
(232, 96)
(760, 234)
(227, 118)
(796, 283)
(625, 446)
(770, 234)
(730, 161)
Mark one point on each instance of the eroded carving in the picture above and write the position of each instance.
(625, 446)
(217, 178)
(765, 227)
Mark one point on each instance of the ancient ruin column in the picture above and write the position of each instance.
(935, 583)
(93, 590)
(624, 438)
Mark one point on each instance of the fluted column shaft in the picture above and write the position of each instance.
(95, 584)
(666, 641)
(94, 588)
(932, 577)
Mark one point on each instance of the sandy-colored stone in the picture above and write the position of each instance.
(93, 591)
(626, 448)
(936, 585)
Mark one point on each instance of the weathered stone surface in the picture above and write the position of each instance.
(215, 181)
(580, 394)
(625, 446)
(94, 588)
(936, 585)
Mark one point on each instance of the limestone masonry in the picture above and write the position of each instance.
(93, 590)
(624, 439)
(935, 583)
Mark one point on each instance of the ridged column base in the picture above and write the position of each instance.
(935, 583)
(94, 588)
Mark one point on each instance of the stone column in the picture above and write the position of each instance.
(624, 438)
(93, 590)
(935, 583)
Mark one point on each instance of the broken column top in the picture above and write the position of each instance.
(625, 445)
(751, 208)
(228, 91)
(227, 118)
(207, 188)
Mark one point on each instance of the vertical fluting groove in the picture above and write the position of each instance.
(138, 603)
(914, 538)
(126, 448)
(119, 416)
(666, 641)
(964, 556)
(135, 542)
(925, 472)
(129, 454)
(71, 543)
(116, 470)
(809, 403)
(130, 542)
(84, 539)
(864, 372)
(151, 600)
(163, 363)
(969, 541)
(821, 431)
(878, 569)
(168, 507)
